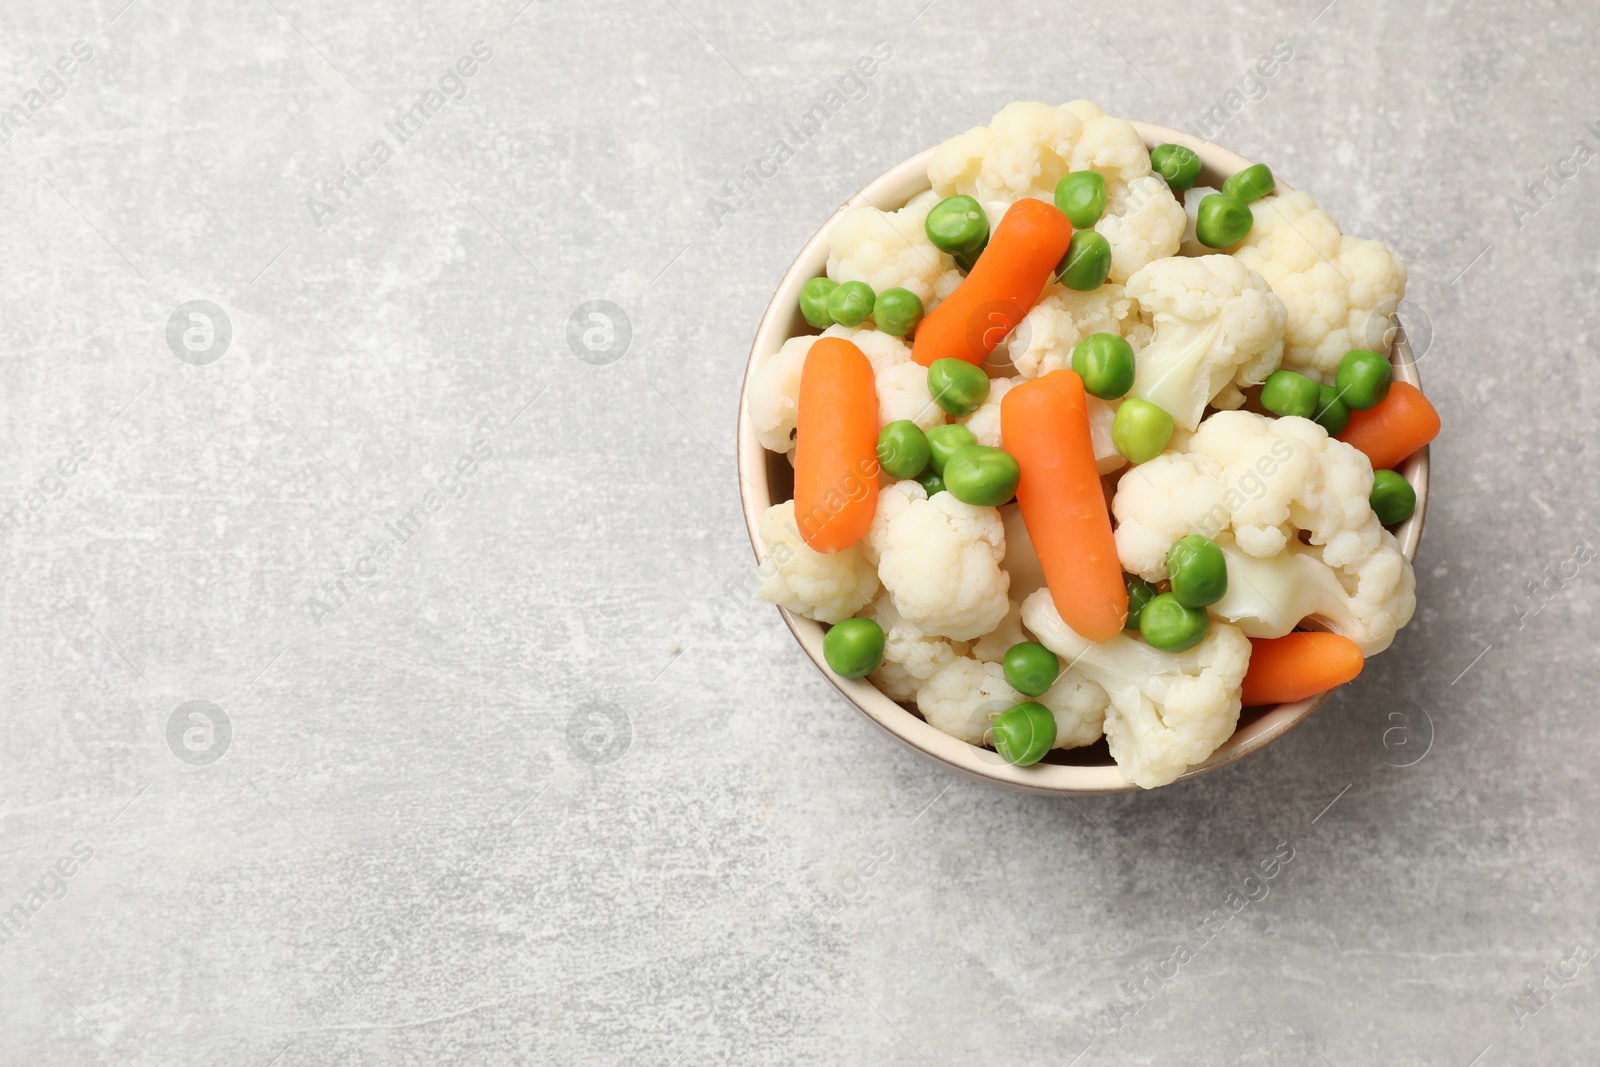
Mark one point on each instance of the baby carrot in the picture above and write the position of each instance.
(1001, 288)
(1298, 665)
(1394, 429)
(836, 446)
(1044, 424)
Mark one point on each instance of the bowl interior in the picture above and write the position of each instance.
(766, 478)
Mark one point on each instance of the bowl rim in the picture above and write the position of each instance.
(889, 191)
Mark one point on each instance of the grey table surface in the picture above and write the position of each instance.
(495, 758)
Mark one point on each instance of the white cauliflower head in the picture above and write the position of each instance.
(1167, 710)
(1191, 246)
(910, 657)
(1366, 602)
(902, 385)
(1043, 341)
(890, 249)
(1262, 482)
(1028, 147)
(774, 399)
(1340, 291)
(1079, 707)
(1143, 223)
(1218, 326)
(963, 697)
(939, 560)
(1102, 418)
(991, 647)
(826, 586)
(985, 421)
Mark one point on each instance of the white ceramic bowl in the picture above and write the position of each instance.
(766, 478)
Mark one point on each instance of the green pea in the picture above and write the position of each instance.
(851, 303)
(853, 647)
(957, 386)
(1087, 262)
(1198, 571)
(1081, 197)
(1392, 497)
(1167, 624)
(1141, 430)
(1023, 733)
(1332, 414)
(981, 476)
(1030, 667)
(930, 480)
(1363, 379)
(1177, 165)
(897, 311)
(1223, 221)
(1105, 363)
(967, 260)
(903, 449)
(1140, 593)
(958, 225)
(945, 441)
(1287, 393)
(814, 301)
(1250, 184)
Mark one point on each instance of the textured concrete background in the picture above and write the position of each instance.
(528, 777)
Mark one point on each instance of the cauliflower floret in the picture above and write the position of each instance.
(1159, 502)
(985, 421)
(1318, 484)
(1191, 245)
(910, 657)
(991, 647)
(827, 586)
(1167, 710)
(1028, 147)
(963, 697)
(1043, 341)
(1217, 327)
(901, 383)
(1102, 417)
(939, 560)
(775, 394)
(903, 394)
(1079, 707)
(1270, 597)
(1262, 482)
(1143, 223)
(889, 249)
(1339, 291)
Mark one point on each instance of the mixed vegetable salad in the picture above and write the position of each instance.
(1084, 449)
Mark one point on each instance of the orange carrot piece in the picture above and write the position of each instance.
(1394, 429)
(1044, 424)
(836, 446)
(1001, 288)
(1298, 665)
